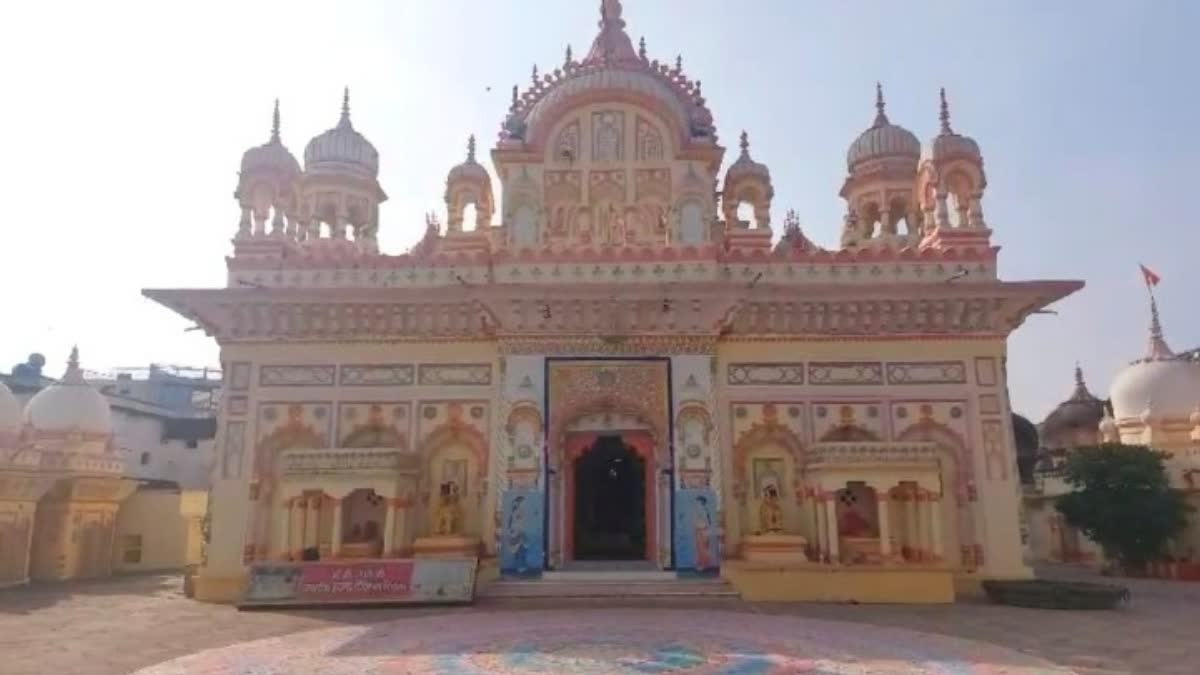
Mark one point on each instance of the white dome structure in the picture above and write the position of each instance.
(883, 140)
(342, 149)
(69, 406)
(1161, 385)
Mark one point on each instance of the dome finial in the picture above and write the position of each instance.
(471, 148)
(570, 57)
(73, 375)
(642, 49)
(275, 123)
(345, 119)
(516, 96)
(880, 108)
(1078, 375)
(610, 13)
(944, 116)
(745, 143)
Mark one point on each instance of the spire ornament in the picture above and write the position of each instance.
(471, 149)
(74, 374)
(881, 118)
(944, 115)
(642, 49)
(570, 59)
(275, 123)
(345, 119)
(745, 144)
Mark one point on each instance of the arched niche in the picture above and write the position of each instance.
(454, 460)
(692, 228)
(957, 473)
(525, 226)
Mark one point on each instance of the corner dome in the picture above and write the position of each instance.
(342, 149)
(950, 145)
(745, 164)
(10, 411)
(272, 155)
(883, 140)
(469, 170)
(69, 405)
(1081, 411)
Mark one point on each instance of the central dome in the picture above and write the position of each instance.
(612, 66)
(342, 149)
(1163, 384)
(883, 140)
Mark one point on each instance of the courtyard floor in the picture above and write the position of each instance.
(127, 624)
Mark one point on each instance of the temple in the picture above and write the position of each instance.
(608, 348)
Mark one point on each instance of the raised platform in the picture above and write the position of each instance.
(766, 582)
(608, 584)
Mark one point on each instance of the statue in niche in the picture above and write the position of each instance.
(584, 227)
(770, 513)
(448, 516)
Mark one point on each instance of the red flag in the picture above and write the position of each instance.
(1148, 274)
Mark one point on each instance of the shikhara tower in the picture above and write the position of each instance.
(765, 398)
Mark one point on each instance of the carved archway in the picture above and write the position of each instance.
(767, 432)
(454, 433)
(375, 433)
(295, 434)
(954, 448)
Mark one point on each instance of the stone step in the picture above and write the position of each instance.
(560, 587)
(611, 576)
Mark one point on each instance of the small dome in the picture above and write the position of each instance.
(1161, 384)
(342, 149)
(883, 140)
(10, 411)
(745, 165)
(949, 145)
(1081, 411)
(272, 155)
(69, 405)
(469, 170)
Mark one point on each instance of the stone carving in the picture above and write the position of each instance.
(450, 375)
(296, 376)
(608, 136)
(649, 141)
(366, 460)
(873, 453)
(931, 372)
(239, 376)
(985, 372)
(375, 376)
(566, 147)
(765, 373)
(841, 373)
(770, 513)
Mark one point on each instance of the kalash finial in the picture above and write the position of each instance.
(642, 48)
(944, 116)
(745, 143)
(570, 57)
(880, 113)
(471, 149)
(73, 375)
(275, 123)
(679, 63)
(610, 13)
(516, 97)
(345, 120)
(534, 76)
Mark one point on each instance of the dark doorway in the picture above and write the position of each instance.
(610, 502)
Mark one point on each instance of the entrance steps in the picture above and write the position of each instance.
(610, 585)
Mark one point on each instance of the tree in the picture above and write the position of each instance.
(1025, 434)
(1123, 501)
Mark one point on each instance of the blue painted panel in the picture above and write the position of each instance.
(697, 531)
(521, 534)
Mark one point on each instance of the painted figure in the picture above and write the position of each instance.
(702, 533)
(515, 535)
(770, 513)
(448, 517)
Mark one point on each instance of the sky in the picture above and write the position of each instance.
(126, 120)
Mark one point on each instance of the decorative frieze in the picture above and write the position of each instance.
(455, 374)
(391, 375)
(927, 372)
(986, 373)
(873, 453)
(233, 450)
(387, 461)
(296, 376)
(637, 345)
(238, 406)
(765, 373)
(845, 373)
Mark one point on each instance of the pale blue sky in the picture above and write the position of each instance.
(126, 121)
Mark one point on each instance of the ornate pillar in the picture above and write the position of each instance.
(887, 226)
(935, 526)
(296, 527)
(975, 213)
(818, 526)
(389, 529)
(312, 521)
(912, 536)
(943, 210)
(335, 541)
(883, 504)
(281, 531)
(831, 527)
(244, 223)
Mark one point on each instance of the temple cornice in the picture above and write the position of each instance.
(607, 313)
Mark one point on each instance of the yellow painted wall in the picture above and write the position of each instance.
(158, 530)
(16, 524)
(758, 582)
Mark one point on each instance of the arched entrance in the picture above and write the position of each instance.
(611, 505)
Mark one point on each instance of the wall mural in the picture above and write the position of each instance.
(521, 533)
(697, 531)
